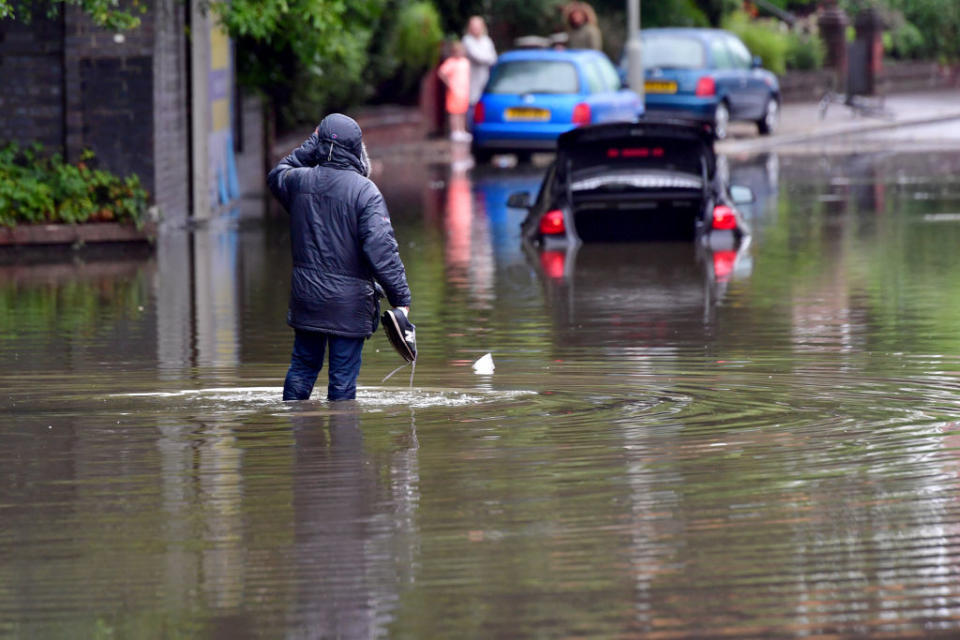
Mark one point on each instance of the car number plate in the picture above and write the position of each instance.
(660, 86)
(527, 113)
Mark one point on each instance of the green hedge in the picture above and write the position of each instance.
(805, 52)
(779, 48)
(762, 37)
(37, 188)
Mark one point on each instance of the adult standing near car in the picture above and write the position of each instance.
(342, 243)
(582, 30)
(481, 53)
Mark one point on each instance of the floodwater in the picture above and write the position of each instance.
(673, 444)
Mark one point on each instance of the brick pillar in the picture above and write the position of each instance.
(833, 23)
(869, 25)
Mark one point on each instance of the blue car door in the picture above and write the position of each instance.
(627, 101)
(608, 103)
(601, 101)
(731, 80)
(754, 90)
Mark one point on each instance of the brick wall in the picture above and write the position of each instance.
(109, 94)
(116, 95)
(896, 77)
(71, 85)
(31, 74)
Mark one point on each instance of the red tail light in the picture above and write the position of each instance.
(552, 223)
(724, 217)
(479, 113)
(723, 262)
(553, 263)
(581, 114)
(706, 86)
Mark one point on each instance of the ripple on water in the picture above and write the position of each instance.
(255, 399)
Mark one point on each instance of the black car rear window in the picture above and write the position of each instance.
(673, 52)
(668, 154)
(534, 76)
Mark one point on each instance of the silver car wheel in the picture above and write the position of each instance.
(721, 118)
(771, 117)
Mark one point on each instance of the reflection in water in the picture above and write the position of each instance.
(216, 285)
(350, 558)
(220, 471)
(675, 443)
(468, 251)
(637, 291)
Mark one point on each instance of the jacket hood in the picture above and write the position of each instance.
(339, 144)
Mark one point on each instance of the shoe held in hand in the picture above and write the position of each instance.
(401, 332)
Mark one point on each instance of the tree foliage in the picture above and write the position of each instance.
(936, 22)
(304, 54)
(105, 13)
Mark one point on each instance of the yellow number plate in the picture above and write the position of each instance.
(527, 113)
(660, 86)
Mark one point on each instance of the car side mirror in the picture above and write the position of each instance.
(519, 200)
(741, 194)
(756, 63)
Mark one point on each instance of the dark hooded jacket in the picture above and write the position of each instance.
(340, 233)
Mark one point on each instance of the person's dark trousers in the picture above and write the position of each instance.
(307, 360)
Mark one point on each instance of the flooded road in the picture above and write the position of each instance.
(674, 443)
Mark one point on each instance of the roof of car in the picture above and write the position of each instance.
(700, 34)
(645, 126)
(548, 54)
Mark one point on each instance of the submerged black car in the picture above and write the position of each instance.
(646, 180)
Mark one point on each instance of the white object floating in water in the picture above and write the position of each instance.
(484, 365)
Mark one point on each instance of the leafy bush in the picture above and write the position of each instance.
(416, 42)
(805, 52)
(904, 42)
(36, 188)
(763, 37)
(934, 30)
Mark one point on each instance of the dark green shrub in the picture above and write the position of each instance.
(36, 188)
(805, 52)
(764, 38)
(904, 42)
(411, 46)
(416, 42)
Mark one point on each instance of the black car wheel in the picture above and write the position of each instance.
(771, 117)
(721, 118)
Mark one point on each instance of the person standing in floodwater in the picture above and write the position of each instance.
(455, 74)
(342, 243)
(582, 29)
(482, 55)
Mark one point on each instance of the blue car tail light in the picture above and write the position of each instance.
(479, 113)
(706, 86)
(581, 114)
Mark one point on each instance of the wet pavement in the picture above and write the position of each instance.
(674, 443)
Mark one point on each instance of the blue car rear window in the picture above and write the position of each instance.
(673, 52)
(534, 76)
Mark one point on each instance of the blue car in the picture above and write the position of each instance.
(534, 95)
(710, 75)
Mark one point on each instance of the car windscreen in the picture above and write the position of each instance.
(533, 76)
(673, 52)
(655, 162)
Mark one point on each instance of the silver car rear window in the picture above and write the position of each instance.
(534, 76)
(673, 52)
